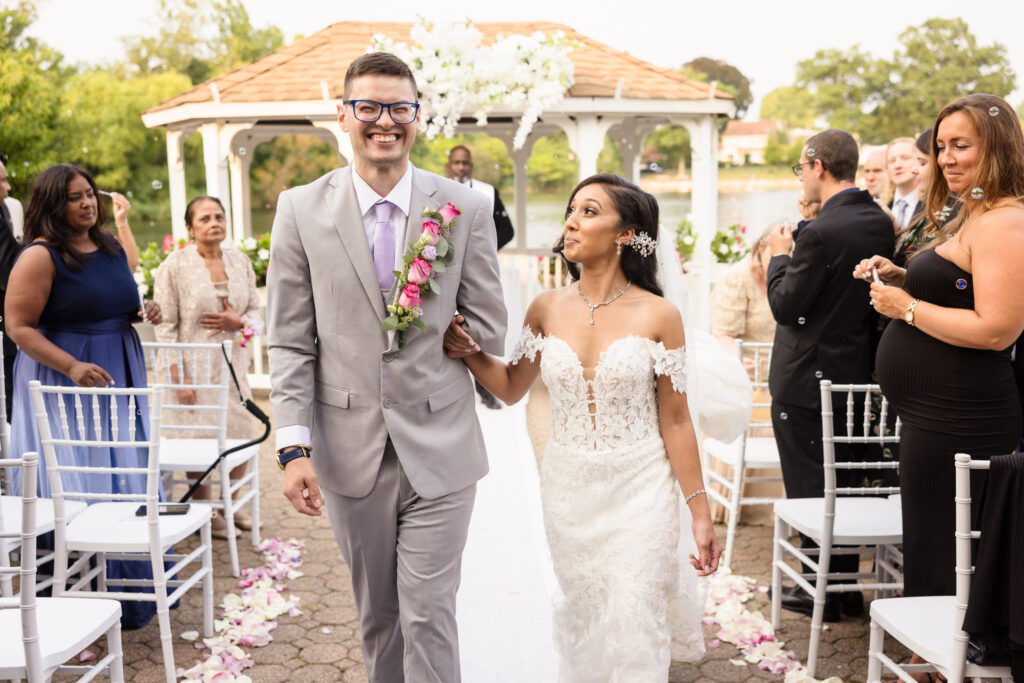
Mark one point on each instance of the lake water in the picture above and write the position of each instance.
(756, 209)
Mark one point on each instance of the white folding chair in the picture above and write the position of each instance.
(110, 529)
(931, 625)
(10, 505)
(845, 516)
(41, 634)
(754, 449)
(202, 368)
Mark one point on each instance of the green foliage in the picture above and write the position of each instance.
(258, 250)
(287, 161)
(150, 258)
(610, 159)
(728, 245)
(201, 40)
(780, 151)
(686, 240)
(552, 166)
(732, 79)
(878, 99)
(668, 145)
(106, 135)
(31, 78)
(491, 162)
(790, 104)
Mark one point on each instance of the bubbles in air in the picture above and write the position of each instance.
(157, 185)
(977, 193)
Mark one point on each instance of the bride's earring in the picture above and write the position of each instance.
(618, 248)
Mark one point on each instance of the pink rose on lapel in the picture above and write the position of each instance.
(432, 231)
(410, 296)
(448, 212)
(419, 271)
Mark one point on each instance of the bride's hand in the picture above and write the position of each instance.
(457, 343)
(708, 548)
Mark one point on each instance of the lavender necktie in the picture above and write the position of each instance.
(901, 212)
(384, 245)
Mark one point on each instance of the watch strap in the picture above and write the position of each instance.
(286, 455)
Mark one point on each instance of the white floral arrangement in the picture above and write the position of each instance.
(456, 74)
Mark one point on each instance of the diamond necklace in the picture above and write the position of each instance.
(602, 303)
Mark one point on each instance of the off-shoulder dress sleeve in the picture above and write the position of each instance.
(671, 363)
(528, 346)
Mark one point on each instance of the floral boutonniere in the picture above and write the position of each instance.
(429, 254)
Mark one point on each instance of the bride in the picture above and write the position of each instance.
(623, 453)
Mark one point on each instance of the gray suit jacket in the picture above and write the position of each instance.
(333, 369)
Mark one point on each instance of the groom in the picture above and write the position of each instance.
(385, 437)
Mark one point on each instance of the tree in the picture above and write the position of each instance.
(289, 160)
(792, 105)
(31, 78)
(552, 166)
(673, 143)
(707, 69)
(878, 99)
(935, 64)
(842, 84)
(106, 135)
(201, 40)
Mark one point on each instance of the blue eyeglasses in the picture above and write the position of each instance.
(368, 111)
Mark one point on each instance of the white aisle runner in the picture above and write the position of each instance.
(504, 603)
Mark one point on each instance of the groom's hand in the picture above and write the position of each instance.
(301, 487)
(457, 342)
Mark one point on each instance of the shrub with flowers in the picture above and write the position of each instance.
(258, 250)
(729, 245)
(151, 257)
(686, 240)
(456, 74)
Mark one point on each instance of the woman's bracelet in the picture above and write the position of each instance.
(694, 495)
(122, 227)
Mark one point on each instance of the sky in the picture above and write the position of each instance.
(764, 39)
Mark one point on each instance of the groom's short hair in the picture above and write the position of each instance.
(377, 63)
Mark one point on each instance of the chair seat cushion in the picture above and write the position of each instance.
(191, 455)
(858, 520)
(66, 627)
(761, 451)
(44, 513)
(114, 527)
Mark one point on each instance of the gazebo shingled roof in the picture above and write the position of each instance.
(295, 72)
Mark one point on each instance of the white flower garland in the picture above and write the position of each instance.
(456, 74)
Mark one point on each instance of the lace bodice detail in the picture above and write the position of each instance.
(616, 408)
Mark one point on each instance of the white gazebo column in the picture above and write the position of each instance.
(215, 159)
(239, 161)
(342, 143)
(176, 181)
(520, 159)
(704, 202)
(586, 137)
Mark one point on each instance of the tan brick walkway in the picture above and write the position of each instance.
(301, 651)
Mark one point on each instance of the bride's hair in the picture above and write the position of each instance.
(638, 210)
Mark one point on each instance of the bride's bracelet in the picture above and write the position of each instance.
(694, 495)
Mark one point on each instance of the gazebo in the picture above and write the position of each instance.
(295, 91)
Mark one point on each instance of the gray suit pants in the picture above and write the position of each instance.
(405, 555)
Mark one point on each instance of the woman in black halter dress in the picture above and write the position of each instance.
(944, 363)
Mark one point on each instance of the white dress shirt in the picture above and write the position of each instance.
(401, 197)
(911, 199)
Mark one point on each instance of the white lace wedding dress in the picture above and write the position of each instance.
(617, 530)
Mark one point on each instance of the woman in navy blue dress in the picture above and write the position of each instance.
(71, 301)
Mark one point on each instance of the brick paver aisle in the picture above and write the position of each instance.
(323, 644)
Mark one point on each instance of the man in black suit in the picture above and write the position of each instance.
(8, 253)
(825, 320)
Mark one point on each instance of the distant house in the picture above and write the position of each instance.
(744, 142)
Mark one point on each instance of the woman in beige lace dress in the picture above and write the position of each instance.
(739, 310)
(207, 292)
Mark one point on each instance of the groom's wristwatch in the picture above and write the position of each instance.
(286, 455)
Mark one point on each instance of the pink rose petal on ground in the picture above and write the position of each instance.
(716, 643)
(86, 656)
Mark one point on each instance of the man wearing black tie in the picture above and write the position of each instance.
(8, 253)
(904, 169)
